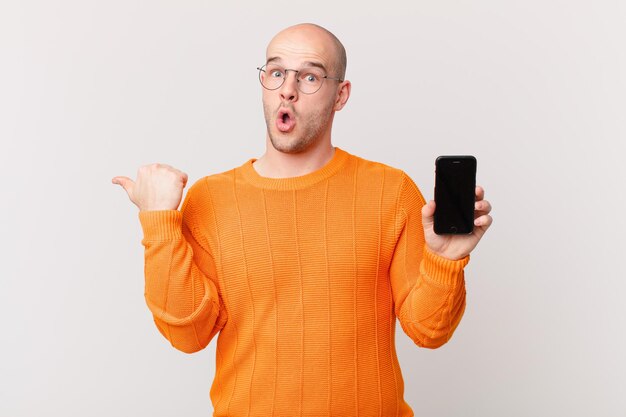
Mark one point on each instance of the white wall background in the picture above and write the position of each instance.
(534, 89)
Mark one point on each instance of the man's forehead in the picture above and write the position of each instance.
(306, 63)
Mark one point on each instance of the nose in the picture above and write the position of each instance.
(289, 89)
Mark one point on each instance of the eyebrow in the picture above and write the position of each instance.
(304, 64)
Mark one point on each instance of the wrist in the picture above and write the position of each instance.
(442, 269)
(447, 254)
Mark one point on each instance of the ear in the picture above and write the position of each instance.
(343, 94)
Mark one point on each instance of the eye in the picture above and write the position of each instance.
(274, 71)
(311, 77)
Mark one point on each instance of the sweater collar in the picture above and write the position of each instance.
(250, 174)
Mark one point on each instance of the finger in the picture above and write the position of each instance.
(185, 178)
(428, 213)
(482, 206)
(480, 193)
(483, 221)
(126, 183)
(162, 165)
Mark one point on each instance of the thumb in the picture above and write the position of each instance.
(126, 183)
(428, 214)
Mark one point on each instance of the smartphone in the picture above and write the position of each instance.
(455, 185)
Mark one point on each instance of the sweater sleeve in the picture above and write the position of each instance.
(428, 290)
(180, 276)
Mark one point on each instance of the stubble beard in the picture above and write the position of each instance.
(312, 128)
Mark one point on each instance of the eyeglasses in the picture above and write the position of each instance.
(309, 79)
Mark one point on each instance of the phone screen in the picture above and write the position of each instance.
(455, 183)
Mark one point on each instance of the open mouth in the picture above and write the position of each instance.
(285, 122)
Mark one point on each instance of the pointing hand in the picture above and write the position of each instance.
(158, 187)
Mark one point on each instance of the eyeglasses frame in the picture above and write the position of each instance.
(262, 69)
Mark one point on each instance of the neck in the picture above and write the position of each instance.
(277, 164)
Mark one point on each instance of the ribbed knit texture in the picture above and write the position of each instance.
(303, 278)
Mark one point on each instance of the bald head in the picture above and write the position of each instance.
(309, 33)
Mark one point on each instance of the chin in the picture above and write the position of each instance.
(290, 143)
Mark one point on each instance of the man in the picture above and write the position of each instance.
(301, 259)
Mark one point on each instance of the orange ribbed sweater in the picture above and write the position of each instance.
(303, 278)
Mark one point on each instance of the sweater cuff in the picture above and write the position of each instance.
(160, 225)
(442, 270)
